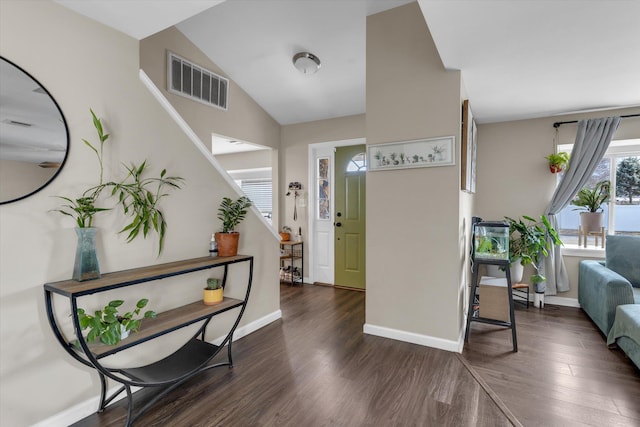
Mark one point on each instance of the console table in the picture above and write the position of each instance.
(162, 376)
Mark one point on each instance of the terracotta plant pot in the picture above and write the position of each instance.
(212, 296)
(555, 168)
(285, 237)
(227, 243)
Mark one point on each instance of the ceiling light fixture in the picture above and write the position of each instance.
(306, 63)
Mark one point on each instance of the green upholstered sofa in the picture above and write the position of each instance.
(607, 292)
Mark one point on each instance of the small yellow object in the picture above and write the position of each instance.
(212, 297)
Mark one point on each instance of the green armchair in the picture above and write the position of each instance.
(601, 290)
(609, 292)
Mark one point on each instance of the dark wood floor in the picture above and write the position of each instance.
(315, 367)
(563, 373)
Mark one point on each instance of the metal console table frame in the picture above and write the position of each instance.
(162, 376)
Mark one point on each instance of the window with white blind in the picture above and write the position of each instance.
(260, 193)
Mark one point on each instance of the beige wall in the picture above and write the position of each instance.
(84, 64)
(247, 160)
(413, 227)
(244, 120)
(513, 176)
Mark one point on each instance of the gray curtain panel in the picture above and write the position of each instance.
(592, 141)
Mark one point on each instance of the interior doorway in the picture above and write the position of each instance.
(321, 239)
(251, 167)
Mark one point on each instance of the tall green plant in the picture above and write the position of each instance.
(138, 196)
(529, 240)
(231, 212)
(97, 123)
(591, 200)
(83, 209)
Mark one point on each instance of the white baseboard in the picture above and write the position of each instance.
(412, 337)
(81, 410)
(556, 300)
(245, 330)
(88, 407)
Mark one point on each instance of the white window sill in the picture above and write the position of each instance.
(590, 251)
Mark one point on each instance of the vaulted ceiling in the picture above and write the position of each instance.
(519, 59)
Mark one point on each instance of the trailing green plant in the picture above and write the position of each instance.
(592, 199)
(557, 161)
(81, 210)
(530, 240)
(139, 198)
(105, 324)
(231, 212)
(213, 284)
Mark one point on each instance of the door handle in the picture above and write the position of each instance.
(338, 224)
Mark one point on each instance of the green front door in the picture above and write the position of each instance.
(349, 216)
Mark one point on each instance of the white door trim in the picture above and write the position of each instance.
(310, 240)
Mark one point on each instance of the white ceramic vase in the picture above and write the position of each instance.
(516, 270)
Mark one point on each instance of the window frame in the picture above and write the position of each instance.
(617, 149)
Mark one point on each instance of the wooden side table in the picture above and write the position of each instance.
(582, 236)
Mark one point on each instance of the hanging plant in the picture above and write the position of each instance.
(557, 161)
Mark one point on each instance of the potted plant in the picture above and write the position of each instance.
(591, 201)
(529, 242)
(213, 292)
(285, 234)
(231, 213)
(138, 196)
(111, 327)
(557, 161)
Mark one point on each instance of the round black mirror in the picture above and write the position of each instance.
(34, 138)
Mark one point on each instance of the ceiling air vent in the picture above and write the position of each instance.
(189, 80)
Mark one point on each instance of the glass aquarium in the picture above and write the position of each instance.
(491, 240)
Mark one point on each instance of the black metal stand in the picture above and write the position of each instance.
(473, 316)
(293, 250)
(158, 378)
